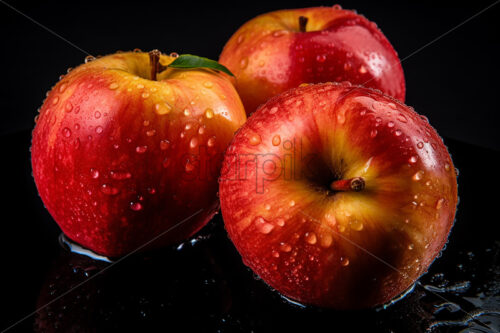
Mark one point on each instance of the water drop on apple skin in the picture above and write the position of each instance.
(66, 132)
(255, 139)
(136, 206)
(141, 149)
(193, 143)
(109, 190)
(120, 175)
(311, 238)
(94, 173)
(263, 226)
(211, 142)
(209, 113)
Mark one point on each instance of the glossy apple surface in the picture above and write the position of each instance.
(269, 54)
(296, 224)
(119, 158)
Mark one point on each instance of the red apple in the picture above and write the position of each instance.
(338, 196)
(280, 50)
(121, 153)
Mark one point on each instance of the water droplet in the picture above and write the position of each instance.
(255, 139)
(164, 144)
(163, 108)
(211, 141)
(140, 86)
(397, 132)
(418, 175)
(284, 247)
(276, 140)
(55, 100)
(411, 247)
(120, 175)
(356, 225)
(344, 261)
(68, 107)
(362, 69)
(373, 133)
(390, 124)
(145, 95)
(113, 86)
(66, 132)
(280, 222)
(94, 173)
(109, 190)
(135, 206)
(141, 149)
(320, 58)
(151, 132)
(275, 254)
(273, 110)
(263, 226)
(174, 55)
(97, 115)
(439, 203)
(413, 159)
(89, 58)
(208, 84)
(337, 7)
(193, 143)
(420, 145)
(98, 129)
(347, 66)
(291, 203)
(186, 112)
(209, 113)
(311, 238)
(447, 167)
(243, 63)
(151, 190)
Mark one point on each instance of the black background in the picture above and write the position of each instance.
(453, 82)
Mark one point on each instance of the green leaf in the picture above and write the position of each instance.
(192, 61)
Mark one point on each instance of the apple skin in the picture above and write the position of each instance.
(118, 158)
(269, 55)
(342, 249)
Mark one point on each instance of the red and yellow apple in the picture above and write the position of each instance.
(123, 152)
(337, 195)
(280, 50)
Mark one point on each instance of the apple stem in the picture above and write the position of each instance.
(353, 184)
(154, 62)
(303, 23)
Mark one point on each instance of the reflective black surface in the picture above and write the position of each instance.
(202, 285)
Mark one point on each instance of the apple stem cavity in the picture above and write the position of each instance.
(303, 23)
(355, 184)
(154, 62)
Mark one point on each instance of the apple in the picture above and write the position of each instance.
(282, 49)
(338, 196)
(124, 150)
